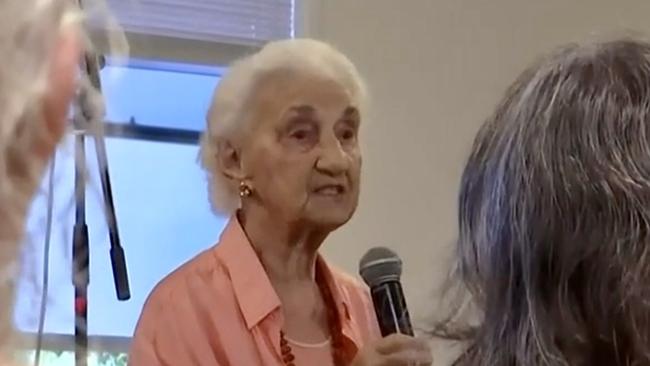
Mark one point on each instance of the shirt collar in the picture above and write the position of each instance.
(253, 290)
(252, 287)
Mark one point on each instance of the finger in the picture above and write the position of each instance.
(409, 357)
(423, 345)
(395, 343)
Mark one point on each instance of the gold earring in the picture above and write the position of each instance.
(244, 190)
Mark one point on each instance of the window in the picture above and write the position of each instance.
(161, 201)
(159, 94)
(200, 31)
(227, 21)
(156, 106)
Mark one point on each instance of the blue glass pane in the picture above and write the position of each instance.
(157, 97)
(164, 219)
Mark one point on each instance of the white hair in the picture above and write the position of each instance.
(233, 98)
(29, 31)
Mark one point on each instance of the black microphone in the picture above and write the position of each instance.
(381, 268)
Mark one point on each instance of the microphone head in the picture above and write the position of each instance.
(379, 265)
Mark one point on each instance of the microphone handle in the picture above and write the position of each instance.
(390, 307)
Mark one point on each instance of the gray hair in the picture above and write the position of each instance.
(554, 215)
(29, 30)
(233, 96)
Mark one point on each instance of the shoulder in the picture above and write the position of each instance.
(202, 275)
(189, 308)
(207, 268)
(180, 298)
(204, 265)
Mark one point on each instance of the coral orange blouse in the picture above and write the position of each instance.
(220, 309)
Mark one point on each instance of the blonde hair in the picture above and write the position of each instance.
(29, 31)
(233, 96)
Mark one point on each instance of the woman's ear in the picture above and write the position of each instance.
(62, 75)
(230, 161)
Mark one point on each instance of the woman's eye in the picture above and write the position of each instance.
(300, 134)
(347, 134)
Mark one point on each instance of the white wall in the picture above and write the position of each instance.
(436, 68)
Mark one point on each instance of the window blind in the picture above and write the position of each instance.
(239, 22)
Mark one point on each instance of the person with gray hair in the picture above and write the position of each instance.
(283, 160)
(39, 50)
(554, 218)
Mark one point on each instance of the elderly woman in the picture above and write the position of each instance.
(283, 158)
(555, 214)
(39, 52)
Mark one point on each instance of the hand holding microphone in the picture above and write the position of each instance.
(381, 268)
(395, 350)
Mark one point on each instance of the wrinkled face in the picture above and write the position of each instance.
(302, 155)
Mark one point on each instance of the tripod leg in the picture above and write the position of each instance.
(80, 256)
(120, 275)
